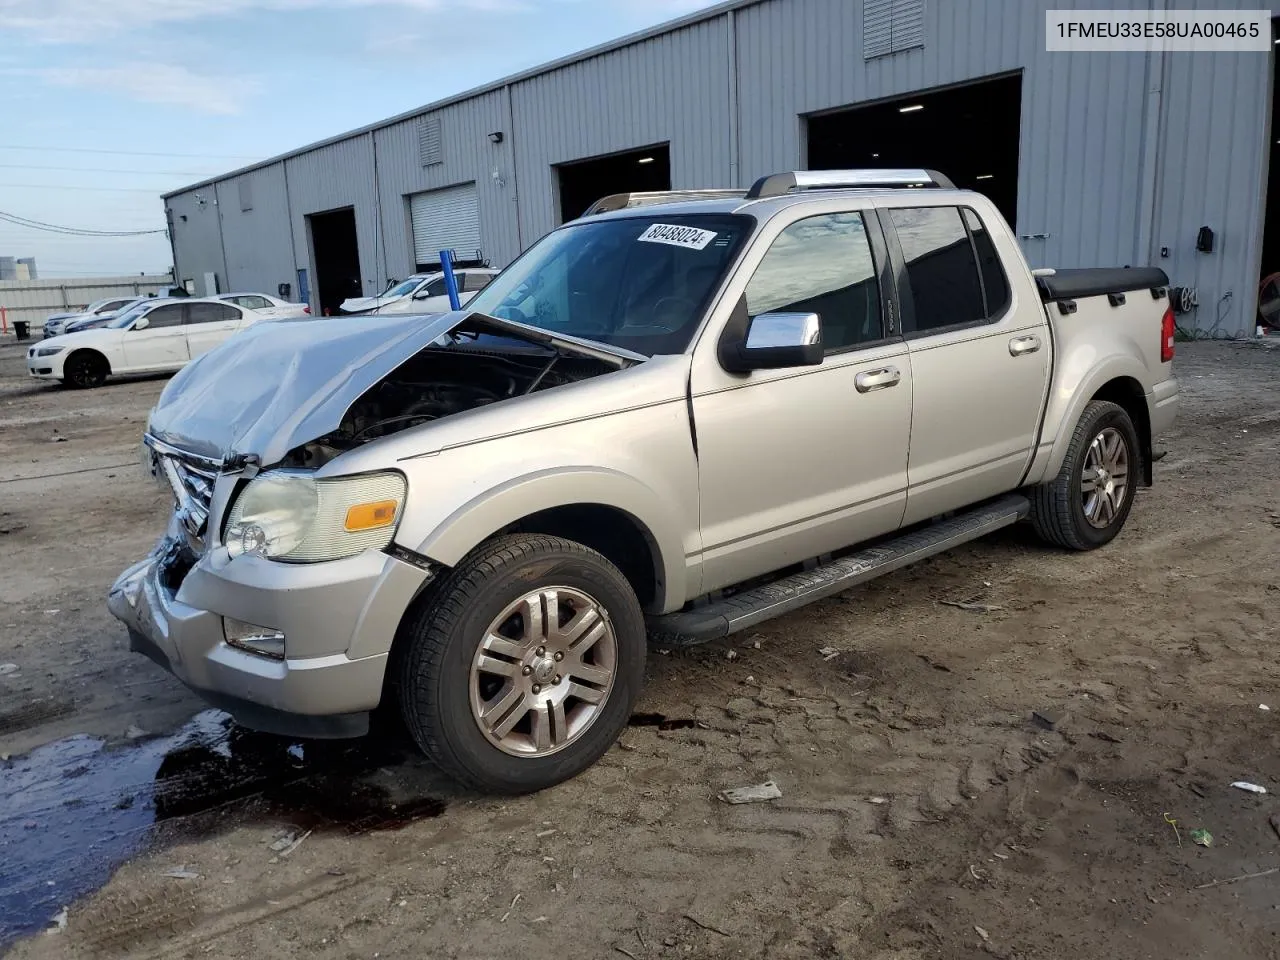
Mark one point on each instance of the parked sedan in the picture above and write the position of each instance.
(157, 336)
(266, 306)
(422, 293)
(56, 323)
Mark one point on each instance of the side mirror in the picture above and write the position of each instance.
(770, 341)
(421, 294)
(141, 324)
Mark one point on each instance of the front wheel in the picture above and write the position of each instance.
(1086, 504)
(84, 368)
(522, 670)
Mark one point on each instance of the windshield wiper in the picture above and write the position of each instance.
(619, 357)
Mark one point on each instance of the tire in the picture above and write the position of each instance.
(1063, 512)
(471, 664)
(84, 369)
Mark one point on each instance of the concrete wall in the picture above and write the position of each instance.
(1120, 154)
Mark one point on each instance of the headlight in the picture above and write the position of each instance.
(292, 516)
(48, 351)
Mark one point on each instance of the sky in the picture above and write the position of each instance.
(106, 104)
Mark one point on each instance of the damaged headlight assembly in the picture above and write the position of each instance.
(291, 516)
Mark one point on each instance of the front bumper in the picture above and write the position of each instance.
(338, 618)
(45, 368)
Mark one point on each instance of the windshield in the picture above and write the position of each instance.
(126, 317)
(403, 287)
(642, 283)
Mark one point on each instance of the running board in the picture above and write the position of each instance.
(753, 606)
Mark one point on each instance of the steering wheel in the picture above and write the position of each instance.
(681, 306)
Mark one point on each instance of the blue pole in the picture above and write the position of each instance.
(450, 279)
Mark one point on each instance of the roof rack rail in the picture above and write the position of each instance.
(621, 201)
(777, 184)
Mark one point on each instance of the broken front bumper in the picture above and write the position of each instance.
(338, 619)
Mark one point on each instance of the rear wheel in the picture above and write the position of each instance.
(85, 368)
(523, 669)
(1086, 504)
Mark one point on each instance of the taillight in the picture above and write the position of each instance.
(1167, 330)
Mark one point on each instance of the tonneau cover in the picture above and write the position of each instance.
(1097, 281)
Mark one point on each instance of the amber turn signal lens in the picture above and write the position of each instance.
(371, 516)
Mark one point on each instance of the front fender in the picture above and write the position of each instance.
(1078, 378)
(471, 522)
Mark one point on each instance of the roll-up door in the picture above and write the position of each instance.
(446, 219)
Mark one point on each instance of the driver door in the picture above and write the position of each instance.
(797, 462)
(162, 345)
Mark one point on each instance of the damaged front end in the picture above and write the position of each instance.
(276, 590)
(442, 381)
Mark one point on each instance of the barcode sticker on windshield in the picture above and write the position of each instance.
(689, 237)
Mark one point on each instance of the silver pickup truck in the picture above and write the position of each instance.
(677, 416)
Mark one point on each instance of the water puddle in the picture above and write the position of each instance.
(74, 810)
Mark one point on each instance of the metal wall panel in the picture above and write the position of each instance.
(338, 175)
(258, 242)
(468, 155)
(197, 240)
(672, 88)
(1119, 153)
(1081, 156)
(1212, 172)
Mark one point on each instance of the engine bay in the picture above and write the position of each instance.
(441, 381)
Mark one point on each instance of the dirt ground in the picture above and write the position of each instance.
(924, 812)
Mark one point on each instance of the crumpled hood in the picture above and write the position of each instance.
(279, 384)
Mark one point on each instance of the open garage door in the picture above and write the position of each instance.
(583, 182)
(446, 219)
(969, 133)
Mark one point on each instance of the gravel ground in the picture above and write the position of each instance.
(924, 812)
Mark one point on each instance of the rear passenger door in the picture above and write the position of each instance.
(979, 359)
(208, 324)
(797, 462)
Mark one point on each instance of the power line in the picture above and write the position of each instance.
(130, 153)
(72, 231)
(158, 173)
(154, 191)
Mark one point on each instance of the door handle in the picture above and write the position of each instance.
(880, 379)
(1020, 345)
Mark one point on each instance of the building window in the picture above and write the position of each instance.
(246, 196)
(891, 26)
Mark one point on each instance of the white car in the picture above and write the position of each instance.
(56, 323)
(266, 306)
(157, 336)
(423, 293)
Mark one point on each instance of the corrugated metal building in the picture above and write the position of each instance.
(1119, 158)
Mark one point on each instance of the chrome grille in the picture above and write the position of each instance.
(191, 478)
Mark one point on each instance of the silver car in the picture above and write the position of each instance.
(677, 416)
